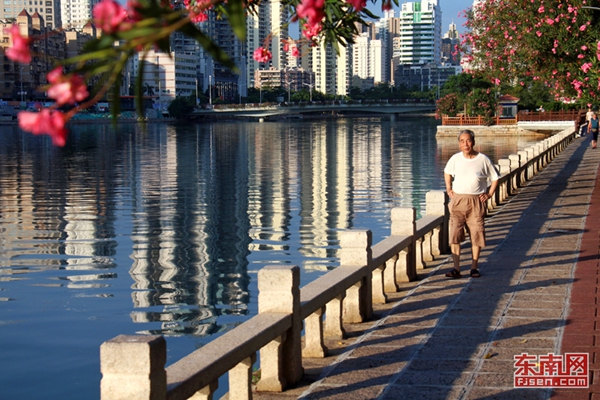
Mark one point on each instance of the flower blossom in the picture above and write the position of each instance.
(262, 55)
(109, 15)
(310, 32)
(295, 51)
(19, 51)
(586, 67)
(46, 122)
(357, 4)
(312, 11)
(66, 89)
(386, 5)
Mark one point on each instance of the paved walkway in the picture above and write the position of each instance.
(442, 338)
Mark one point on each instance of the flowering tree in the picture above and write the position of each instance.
(147, 24)
(555, 42)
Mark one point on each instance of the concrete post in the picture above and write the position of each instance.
(334, 326)
(515, 164)
(436, 203)
(389, 275)
(207, 392)
(404, 223)
(281, 362)
(377, 285)
(505, 185)
(314, 346)
(524, 177)
(356, 252)
(240, 379)
(133, 367)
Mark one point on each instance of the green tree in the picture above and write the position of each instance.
(181, 107)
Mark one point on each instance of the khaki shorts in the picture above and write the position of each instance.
(467, 210)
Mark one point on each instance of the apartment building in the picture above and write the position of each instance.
(48, 11)
(75, 14)
(419, 39)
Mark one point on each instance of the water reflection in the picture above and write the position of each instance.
(163, 230)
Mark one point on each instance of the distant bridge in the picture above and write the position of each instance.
(297, 110)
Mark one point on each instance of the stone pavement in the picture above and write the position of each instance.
(441, 338)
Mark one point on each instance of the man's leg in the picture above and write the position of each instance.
(476, 250)
(455, 249)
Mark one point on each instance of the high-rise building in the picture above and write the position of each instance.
(449, 43)
(75, 14)
(333, 71)
(267, 29)
(420, 33)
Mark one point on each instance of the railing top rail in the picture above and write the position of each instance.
(327, 287)
(216, 358)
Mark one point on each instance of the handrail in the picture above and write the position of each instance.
(133, 366)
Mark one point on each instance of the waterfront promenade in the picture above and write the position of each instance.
(441, 338)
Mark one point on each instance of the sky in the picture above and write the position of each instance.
(450, 11)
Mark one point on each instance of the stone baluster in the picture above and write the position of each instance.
(314, 346)
(515, 164)
(240, 379)
(280, 360)
(334, 311)
(356, 251)
(133, 367)
(523, 177)
(389, 275)
(504, 187)
(532, 165)
(404, 224)
(436, 203)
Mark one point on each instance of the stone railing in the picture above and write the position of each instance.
(133, 367)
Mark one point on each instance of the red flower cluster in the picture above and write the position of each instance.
(19, 51)
(46, 122)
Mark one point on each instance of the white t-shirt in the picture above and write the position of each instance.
(471, 175)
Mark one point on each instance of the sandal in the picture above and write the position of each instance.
(453, 274)
(475, 273)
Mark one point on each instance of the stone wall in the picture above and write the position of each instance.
(542, 129)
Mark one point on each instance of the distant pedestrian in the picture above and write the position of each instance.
(588, 117)
(593, 126)
(466, 176)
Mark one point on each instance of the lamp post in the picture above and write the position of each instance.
(21, 79)
(210, 90)
(289, 85)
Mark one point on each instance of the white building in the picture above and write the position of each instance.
(166, 76)
(76, 13)
(267, 29)
(333, 72)
(420, 32)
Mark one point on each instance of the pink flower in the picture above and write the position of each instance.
(46, 122)
(66, 89)
(357, 4)
(386, 5)
(541, 10)
(262, 55)
(538, 33)
(549, 21)
(583, 27)
(19, 51)
(312, 11)
(586, 67)
(295, 51)
(109, 15)
(310, 32)
(133, 10)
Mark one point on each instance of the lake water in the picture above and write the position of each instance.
(163, 230)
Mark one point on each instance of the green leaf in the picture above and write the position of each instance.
(237, 17)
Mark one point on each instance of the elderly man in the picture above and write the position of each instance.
(466, 175)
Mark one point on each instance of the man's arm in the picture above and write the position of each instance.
(483, 197)
(448, 180)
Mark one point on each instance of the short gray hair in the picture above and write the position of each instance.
(468, 132)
